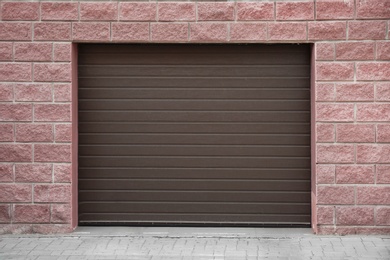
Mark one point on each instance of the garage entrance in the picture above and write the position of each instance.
(194, 134)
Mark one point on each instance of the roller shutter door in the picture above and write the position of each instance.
(194, 134)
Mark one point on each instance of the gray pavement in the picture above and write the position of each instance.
(192, 243)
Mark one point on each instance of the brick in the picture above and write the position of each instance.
(383, 50)
(6, 172)
(15, 112)
(383, 133)
(325, 174)
(325, 133)
(52, 72)
(373, 112)
(335, 71)
(355, 51)
(325, 215)
(130, 32)
(33, 92)
(208, 32)
(169, 32)
(48, 31)
(31, 214)
(372, 9)
(91, 31)
(7, 132)
(62, 51)
(176, 11)
(332, 153)
(382, 91)
(293, 31)
(373, 153)
(349, 216)
(60, 11)
(15, 193)
(52, 112)
(355, 133)
(34, 132)
(62, 173)
(6, 51)
(13, 11)
(335, 195)
(6, 92)
(383, 174)
(374, 195)
(383, 216)
(373, 71)
(15, 31)
(95, 11)
(52, 153)
(33, 51)
(60, 213)
(325, 92)
(5, 213)
(254, 11)
(33, 173)
(294, 11)
(355, 92)
(15, 71)
(335, 10)
(62, 92)
(335, 112)
(63, 133)
(355, 174)
(325, 51)
(52, 193)
(214, 11)
(367, 30)
(15, 153)
(248, 31)
(138, 11)
(327, 31)
(362, 231)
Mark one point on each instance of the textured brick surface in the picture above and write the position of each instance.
(15, 71)
(62, 52)
(15, 112)
(62, 92)
(177, 32)
(62, 173)
(130, 32)
(34, 133)
(373, 153)
(6, 92)
(60, 213)
(19, 11)
(52, 193)
(18, 31)
(52, 31)
(7, 132)
(52, 72)
(325, 174)
(327, 31)
(137, 11)
(335, 71)
(355, 51)
(33, 51)
(367, 30)
(325, 133)
(355, 92)
(215, 11)
(61, 11)
(382, 216)
(37, 92)
(325, 92)
(335, 195)
(31, 213)
(359, 133)
(383, 50)
(373, 195)
(383, 133)
(355, 174)
(373, 112)
(287, 31)
(363, 216)
(325, 51)
(52, 153)
(5, 214)
(254, 11)
(208, 32)
(63, 133)
(33, 173)
(52, 112)
(372, 9)
(91, 31)
(6, 172)
(248, 32)
(335, 112)
(98, 11)
(330, 153)
(325, 215)
(382, 91)
(6, 52)
(16, 192)
(373, 71)
(383, 174)
(334, 10)
(176, 11)
(15, 152)
(295, 11)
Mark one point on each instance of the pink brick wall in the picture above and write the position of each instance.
(351, 96)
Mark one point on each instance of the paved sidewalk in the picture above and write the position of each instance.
(193, 243)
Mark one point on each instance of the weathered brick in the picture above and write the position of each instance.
(15, 153)
(91, 31)
(33, 51)
(63, 133)
(19, 11)
(176, 11)
(355, 133)
(325, 92)
(335, 195)
(166, 32)
(325, 215)
(335, 10)
(6, 172)
(382, 91)
(383, 174)
(5, 213)
(52, 193)
(6, 51)
(62, 173)
(15, 193)
(327, 31)
(373, 112)
(325, 133)
(383, 133)
(62, 92)
(294, 10)
(48, 31)
(138, 11)
(52, 72)
(383, 50)
(363, 216)
(355, 174)
(15, 31)
(335, 71)
(355, 51)
(15, 112)
(214, 11)
(130, 32)
(33, 92)
(60, 213)
(373, 153)
(59, 11)
(62, 51)
(52, 153)
(15, 71)
(34, 132)
(325, 174)
(367, 30)
(325, 51)
(254, 11)
(372, 9)
(6, 92)
(355, 92)
(248, 31)
(31, 214)
(33, 173)
(374, 195)
(335, 112)
(373, 71)
(335, 153)
(52, 112)
(382, 216)
(95, 11)
(7, 132)
(208, 32)
(293, 31)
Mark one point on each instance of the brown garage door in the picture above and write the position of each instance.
(194, 134)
